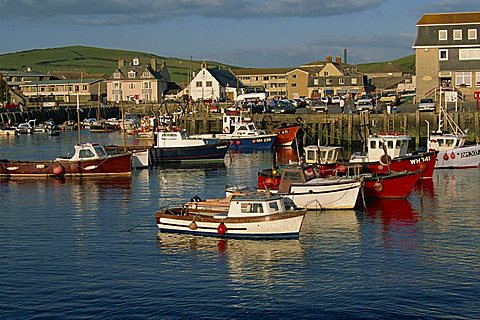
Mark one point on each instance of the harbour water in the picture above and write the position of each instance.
(89, 248)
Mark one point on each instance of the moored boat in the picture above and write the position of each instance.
(285, 135)
(176, 146)
(389, 185)
(251, 215)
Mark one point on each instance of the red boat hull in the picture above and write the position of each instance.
(114, 165)
(30, 169)
(424, 162)
(285, 135)
(394, 185)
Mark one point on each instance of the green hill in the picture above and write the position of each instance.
(93, 60)
(405, 64)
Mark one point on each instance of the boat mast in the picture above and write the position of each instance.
(124, 130)
(78, 118)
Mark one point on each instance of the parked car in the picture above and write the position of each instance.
(335, 100)
(389, 97)
(283, 106)
(318, 105)
(325, 100)
(364, 105)
(426, 104)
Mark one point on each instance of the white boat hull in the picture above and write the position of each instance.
(325, 196)
(140, 159)
(462, 157)
(288, 227)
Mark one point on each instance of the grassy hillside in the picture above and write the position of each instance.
(92, 60)
(405, 64)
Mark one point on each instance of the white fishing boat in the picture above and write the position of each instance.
(308, 190)
(452, 151)
(251, 215)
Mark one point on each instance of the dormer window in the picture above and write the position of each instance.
(131, 74)
(146, 74)
(116, 75)
(136, 62)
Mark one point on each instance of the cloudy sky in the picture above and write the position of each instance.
(248, 33)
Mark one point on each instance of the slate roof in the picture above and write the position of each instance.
(139, 72)
(449, 18)
(225, 77)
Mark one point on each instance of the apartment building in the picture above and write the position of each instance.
(447, 51)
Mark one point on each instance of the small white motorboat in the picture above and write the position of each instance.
(251, 215)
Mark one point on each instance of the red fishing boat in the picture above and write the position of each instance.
(88, 160)
(389, 185)
(388, 151)
(285, 135)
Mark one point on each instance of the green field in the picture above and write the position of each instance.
(104, 61)
(92, 60)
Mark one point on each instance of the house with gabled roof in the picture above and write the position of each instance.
(214, 84)
(447, 53)
(137, 82)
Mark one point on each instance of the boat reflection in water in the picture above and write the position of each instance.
(285, 155)
(253, 262)
(332, 226)
(398, 221)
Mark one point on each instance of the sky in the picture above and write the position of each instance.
(249, 33)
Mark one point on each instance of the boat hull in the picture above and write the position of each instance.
(113, 165)
(394, 185)
(282, 225)
(424, 162)
(208, 152)
(329, 194)
(30, 169)
(285, 135)
(462, 157)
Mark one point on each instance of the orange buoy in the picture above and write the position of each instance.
(268, 182)
(59, 170)
(222, 229)
(445, 157)
(192, 225)
(452, 155)
(238, 142)
(422, 166)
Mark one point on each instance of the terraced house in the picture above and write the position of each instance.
(447, 50)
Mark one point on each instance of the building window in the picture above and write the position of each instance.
(442, 35)
(294, 76)
(265, 78)
(443, 54)
(463, 78)
(325, 73)
(472, 34)
(354, 80)
(208, 84)
(198, 84)
(132, 74)
(147, 85)
(477, 79)
(131, 86)
(315, 82)
(146, 74)
(457, 34)
(116, 75)
(294, 85)
(469, 54)
(341, 81)
(329, 82)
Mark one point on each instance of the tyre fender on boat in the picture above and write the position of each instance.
(378, 186)
(385, 159)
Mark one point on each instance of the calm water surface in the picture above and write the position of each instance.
(89, 248)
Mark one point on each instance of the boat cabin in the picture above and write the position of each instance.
(88, 151)
(321, 154)
(295, 174)
(445, 141)
(173, 139)
(393, 144)
(240, 126)
(254, 205)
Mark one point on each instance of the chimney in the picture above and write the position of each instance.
(345, 56)
(328, 58)
(153, 64)
(338, 59)
(121, 63)
(204, 65)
